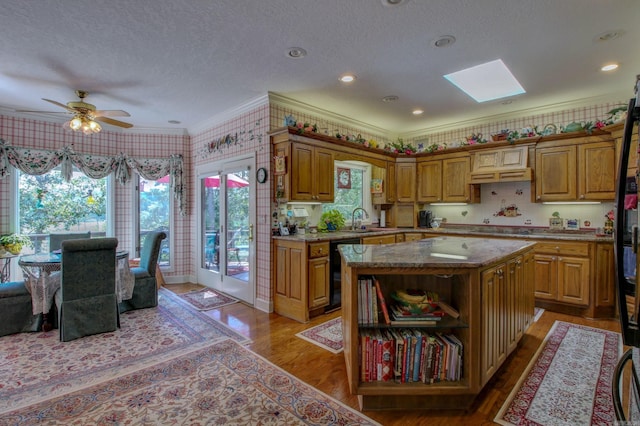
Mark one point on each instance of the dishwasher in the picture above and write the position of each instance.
(335, 276)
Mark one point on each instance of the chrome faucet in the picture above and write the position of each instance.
(353, 215)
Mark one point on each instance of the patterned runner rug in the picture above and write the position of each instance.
(206, 299)
(327, 335)
(223, 383)
(568, 381)
(34, 366)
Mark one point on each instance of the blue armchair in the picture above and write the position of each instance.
(86, 300)
(55, 240)
(16, 310)
(145, 290)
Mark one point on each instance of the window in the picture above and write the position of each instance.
(154, 214)
(47, 203)
(358, 195)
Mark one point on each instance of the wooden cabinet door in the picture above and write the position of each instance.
(546, 276)
(556, 174)
(405, 182)
(494, 348)
(597, 171)
(291, 281)
(318, 282)
(381, 239)
(573, 280)
(604, 281)
(528, 301)
(323, 177)
(430, 181)
(302, 176)
(514, 294)
(390, 190)
(455, 172)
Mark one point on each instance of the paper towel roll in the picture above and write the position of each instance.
(383, 218)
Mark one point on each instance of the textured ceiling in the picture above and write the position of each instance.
(192, 60)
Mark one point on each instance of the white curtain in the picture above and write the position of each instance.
(41, 161)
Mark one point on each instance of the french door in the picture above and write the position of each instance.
(226, 228)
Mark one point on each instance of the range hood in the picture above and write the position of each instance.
(501, 165)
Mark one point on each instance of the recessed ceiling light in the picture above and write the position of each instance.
(392, 3)
(347, 78)
(486, 82)
(444, 41)
(609, 67)
(390, 98)
(417, 112)
(296, 52)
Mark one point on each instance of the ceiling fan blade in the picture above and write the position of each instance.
(114, 122)
(110, 113)
(42, 112)
(60, 105)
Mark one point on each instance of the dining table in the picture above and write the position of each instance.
(42, 279)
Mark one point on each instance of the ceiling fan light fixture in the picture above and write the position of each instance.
(76, 123)
(84, 124)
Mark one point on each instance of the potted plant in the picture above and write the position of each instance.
(330, 221)
(13, 243)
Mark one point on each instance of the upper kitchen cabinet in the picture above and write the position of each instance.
(405, 180)
(386, 194)
(302, 172)
(576, 169)
(617, 132)
(445, 179)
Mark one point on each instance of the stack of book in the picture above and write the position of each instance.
(409, 355)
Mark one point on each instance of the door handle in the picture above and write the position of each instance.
(251, 232)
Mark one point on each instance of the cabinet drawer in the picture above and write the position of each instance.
(564, 248)
(318, 250)
(382, 239)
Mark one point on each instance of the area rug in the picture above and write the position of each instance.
(207, 299)
(36, 365)
(568, 381)
(223, 383)
(327, 335)
(537, 313)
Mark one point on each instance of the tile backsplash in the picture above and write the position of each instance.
(509, 204)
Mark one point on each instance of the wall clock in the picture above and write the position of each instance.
(344, 178)
(261, 175)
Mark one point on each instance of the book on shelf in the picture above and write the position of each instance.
(450, 310)
(383, 303)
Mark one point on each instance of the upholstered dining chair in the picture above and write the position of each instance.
(145, 290)
(86, 300)
(55, 240)
(16, 309)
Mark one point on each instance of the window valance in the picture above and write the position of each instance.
(41, 161)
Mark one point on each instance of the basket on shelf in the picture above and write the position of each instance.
(499, 137)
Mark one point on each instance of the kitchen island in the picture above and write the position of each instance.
(489, 282)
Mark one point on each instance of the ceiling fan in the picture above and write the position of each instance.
(85, 113)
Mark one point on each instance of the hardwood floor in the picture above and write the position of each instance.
(273, 337)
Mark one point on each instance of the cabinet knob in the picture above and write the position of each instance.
(582, 196)
(518, 262)
(538, 197)
(557, 248)
(320, 249)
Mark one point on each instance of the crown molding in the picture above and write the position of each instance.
(521, 113)
(229, 114)
(283, 101)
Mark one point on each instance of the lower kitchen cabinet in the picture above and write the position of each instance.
(301, 278)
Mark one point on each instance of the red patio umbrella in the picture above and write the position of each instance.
(233, 181)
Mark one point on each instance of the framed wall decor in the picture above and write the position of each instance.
(344, 178)
(280, 165)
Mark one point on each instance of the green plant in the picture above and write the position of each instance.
(14, 242)
(331, 220)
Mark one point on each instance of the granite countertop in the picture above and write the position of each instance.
(437, 252)
(526, 233)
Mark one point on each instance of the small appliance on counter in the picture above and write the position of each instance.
(425, 217)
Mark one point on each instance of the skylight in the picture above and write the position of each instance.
(486, 82)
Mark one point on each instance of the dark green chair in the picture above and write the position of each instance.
(55, 240)
(16, 309)
(86, 299)
(145, 290)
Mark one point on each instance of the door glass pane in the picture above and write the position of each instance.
(237, 219)
(155, 213)
(210, 258)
